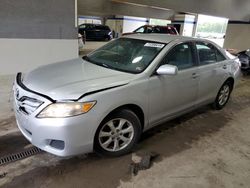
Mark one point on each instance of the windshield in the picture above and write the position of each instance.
(127, 55)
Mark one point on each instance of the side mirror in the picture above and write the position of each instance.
(167, 70)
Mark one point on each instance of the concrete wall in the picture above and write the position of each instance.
(237, 36)
(189, 25)
(115, 23)
(89, 19)
(37, 19)
(35, 32)
(179, 19)
(124, 24)
(132, 23)
(22, 55)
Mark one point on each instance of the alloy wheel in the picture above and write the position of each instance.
(116, 134)
(224, 95)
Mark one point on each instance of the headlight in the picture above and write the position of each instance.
(67, 109)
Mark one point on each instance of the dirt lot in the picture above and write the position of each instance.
(205, 148)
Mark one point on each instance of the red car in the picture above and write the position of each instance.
(155, 29)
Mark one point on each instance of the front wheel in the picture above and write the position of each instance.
(223, 95)
(118, 133)
(107, 38)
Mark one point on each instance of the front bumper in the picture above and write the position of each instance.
(59, 136)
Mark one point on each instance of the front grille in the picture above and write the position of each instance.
(28, 105)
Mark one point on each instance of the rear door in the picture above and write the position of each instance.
(212, 71)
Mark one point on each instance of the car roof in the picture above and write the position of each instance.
(165, 26)
(163, 38)
(93, 24)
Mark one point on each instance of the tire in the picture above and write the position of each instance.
(223, 95)
(114, 140)
(107, 38)
(245, 72)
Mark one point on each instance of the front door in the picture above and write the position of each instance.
(169, 95)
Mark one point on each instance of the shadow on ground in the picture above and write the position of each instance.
(12, 143)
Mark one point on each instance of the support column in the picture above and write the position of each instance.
(237, 35)
(35, 32)
(187, 23)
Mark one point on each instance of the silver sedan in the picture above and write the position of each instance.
(104, 101)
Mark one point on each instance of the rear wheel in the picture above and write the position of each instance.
(118, 133)
(223, 95)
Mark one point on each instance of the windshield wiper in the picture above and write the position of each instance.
(86, 58)
(100, 64)
(105, 65)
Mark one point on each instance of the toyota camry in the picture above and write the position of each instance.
(104, 101)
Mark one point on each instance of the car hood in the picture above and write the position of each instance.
(69, 80)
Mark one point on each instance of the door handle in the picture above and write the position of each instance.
(224, 66)
(194, 75)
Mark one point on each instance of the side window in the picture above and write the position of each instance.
(219, 56)
(156, 29)
(149, 29)
(168, 30)
(180, 56)
(89, 27)
(208, 54)
(164, 30)
(82, 26)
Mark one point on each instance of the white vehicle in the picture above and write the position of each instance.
(80, 41)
